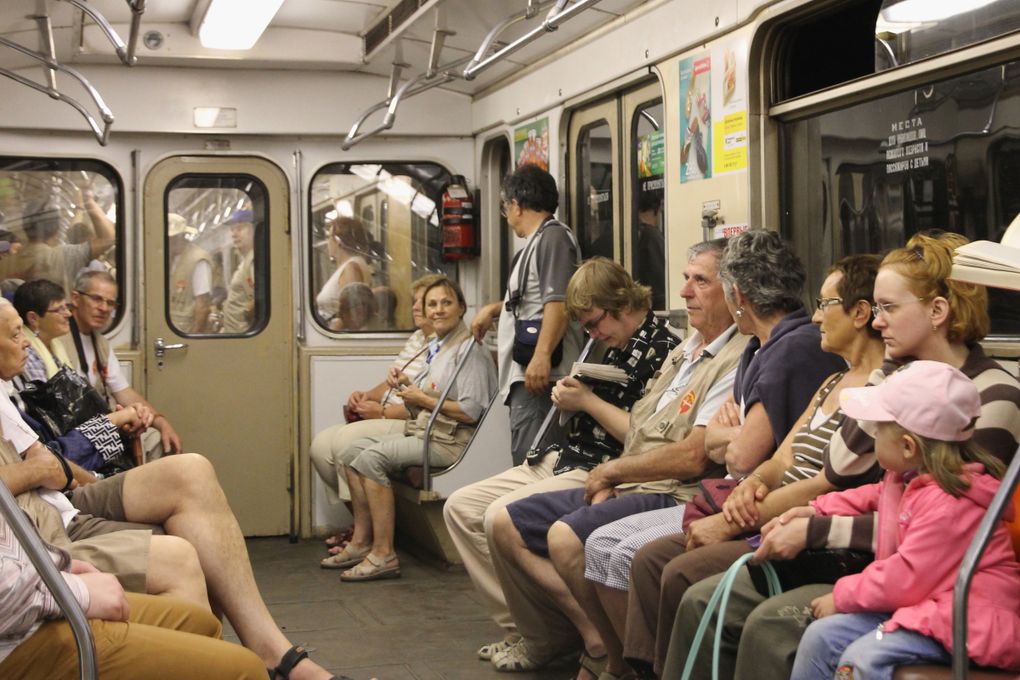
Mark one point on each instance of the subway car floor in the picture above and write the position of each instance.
(425, 625)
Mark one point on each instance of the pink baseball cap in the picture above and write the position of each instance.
(929, 398)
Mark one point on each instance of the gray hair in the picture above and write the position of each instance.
(767, 271)
(715, 245)
(83, 281)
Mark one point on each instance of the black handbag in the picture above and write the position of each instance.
(813, 566)
(526, 331)
(63, 402)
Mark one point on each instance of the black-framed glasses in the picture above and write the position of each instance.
(886, 308)
(823, 302)
(504, 205)
(99, 299)
(591, 325)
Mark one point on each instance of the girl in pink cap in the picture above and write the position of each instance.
(935, 491)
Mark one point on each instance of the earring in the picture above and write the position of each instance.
(934, 328)
(739, 311)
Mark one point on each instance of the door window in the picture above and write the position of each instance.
(594, 191)
(217, 255)
(648, 140)
(57, 218)
(374, 231)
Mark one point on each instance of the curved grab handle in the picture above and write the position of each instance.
(427, 435)
(420, 83)
(101, 132)
(107, 29)
(557, 15)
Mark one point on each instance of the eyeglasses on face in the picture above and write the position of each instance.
(823, 302)
(58, 309)
(99, 299)
(504, 205)
(592, 324)
(887, 308)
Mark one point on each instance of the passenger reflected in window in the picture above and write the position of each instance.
(239, 307)
(650, 249)
(348, 244)
(44, 257)
(190, 278)
(357, 309)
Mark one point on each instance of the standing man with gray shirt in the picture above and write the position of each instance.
(536, 289)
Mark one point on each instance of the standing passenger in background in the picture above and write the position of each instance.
(529, 198)
(239, 307)
(93, 301)
(650, 252)
(190, 278)
(347, 243)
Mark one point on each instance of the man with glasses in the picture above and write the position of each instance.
(93, 302)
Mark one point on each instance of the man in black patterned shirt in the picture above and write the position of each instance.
(612, 308)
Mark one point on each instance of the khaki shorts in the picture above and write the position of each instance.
(101, 535)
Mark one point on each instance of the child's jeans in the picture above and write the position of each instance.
(848, 647)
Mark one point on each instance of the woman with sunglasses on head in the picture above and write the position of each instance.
(921, 314)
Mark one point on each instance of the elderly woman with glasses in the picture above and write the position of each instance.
(920, 314)
(93, 444)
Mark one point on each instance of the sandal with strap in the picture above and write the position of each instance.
(348, 557)
(292, 657)
(340, 539)
(373, 568)
(487, 651)
(595, 665)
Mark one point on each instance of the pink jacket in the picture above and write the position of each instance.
(923, 533)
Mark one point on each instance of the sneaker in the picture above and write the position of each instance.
(486, 652)
(518, 658)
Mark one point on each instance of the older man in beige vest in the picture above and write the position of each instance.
(110, 522)
(664, 457)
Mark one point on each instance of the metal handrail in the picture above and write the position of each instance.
(552, 21)
(498, 29)
(40, 558)
(961, 591)
(126, 53)
(420, 83)
(537, 442)
(426, 483)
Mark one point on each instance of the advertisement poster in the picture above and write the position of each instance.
(729, 102)
(695, 118)
(531, 143)
(651, 154)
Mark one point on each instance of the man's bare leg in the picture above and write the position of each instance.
(174, 570)
(182, 493)
(511, 546)
(614, 604)
(566, 552)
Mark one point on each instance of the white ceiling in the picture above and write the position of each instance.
(316, 34)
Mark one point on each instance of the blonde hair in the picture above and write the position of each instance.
(600, 282)
(944, 460)
(926, 262)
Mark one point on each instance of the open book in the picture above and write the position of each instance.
(589, 373)
(989, 263)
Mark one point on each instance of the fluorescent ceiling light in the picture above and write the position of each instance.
(236, 24)
(930, 10)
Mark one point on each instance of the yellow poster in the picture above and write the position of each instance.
(729, 143)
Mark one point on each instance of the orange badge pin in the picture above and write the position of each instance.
(688, 401)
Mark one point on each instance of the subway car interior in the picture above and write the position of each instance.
(258, 189)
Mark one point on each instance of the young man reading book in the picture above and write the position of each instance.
(615, 310)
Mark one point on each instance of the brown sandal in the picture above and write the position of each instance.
(348, 557)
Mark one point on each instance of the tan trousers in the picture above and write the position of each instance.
(469, 513)
(329, 447)
(164, 639)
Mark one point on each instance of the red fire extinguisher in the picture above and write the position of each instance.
(460, 240)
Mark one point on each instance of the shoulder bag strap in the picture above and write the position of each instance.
(76, 335)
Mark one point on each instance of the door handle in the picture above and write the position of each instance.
(160, 347)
